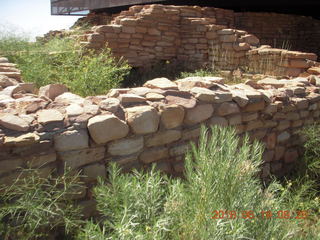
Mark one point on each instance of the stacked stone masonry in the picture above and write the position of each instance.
(145, 35)
(51, 128)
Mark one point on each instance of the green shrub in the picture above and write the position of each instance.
(221, 175)
(34, 207)
(60, 61)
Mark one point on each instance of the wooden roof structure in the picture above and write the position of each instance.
(81, 7)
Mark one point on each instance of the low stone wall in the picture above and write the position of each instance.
(144, 35)
(136, 127)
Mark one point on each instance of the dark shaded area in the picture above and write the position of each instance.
(304, 8)
(169, 69)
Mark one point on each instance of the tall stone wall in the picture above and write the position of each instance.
(136, 127)
(282, 30)
(199, 36)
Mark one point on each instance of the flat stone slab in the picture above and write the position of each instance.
(13, 122)
(49, 115)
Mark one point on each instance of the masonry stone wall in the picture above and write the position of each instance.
(52, 128)
(207, 36)
(281, 30)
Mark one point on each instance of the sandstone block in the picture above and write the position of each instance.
(284, 136)
(69, 98)
(143, 119)
(240, 98)
(251, 39)
(42, 159)
(22, 140)
(74, 110)
(179, 167)
(10, 165)
(105, 128)
(301, 103)
(154, 96)
(297, 123)
(235, 119)
(271, 82)
(205, 82)
(92, 172)
(247, 117)
(291, 156)
(211, 35)
(131, 98)
(13, 122)
(110, 104)
(179, 150)
(162, 83)
(279, 153)
(71, 140)
(228, 108)
(52, 90)
(271, 108)
(292, 116)
(162, 138)
(241, 46)
(221, 121)
(172, 116)
(198, 114)
(190, 134)
(314, 70)
(154, 154)
(228, 38)
(271, 140)
(254, 107)
(268, 156)
(49, 116)
(127, 146)
(226, 31)
(153, 31)
(254, 125)
(77, 158)
(283, 125)
(203, 94)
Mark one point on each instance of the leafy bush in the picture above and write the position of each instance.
(60, 61)
(34, 206)
(220, 175)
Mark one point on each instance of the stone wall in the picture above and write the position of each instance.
(199, 36)
(136, 127)
(282, 30)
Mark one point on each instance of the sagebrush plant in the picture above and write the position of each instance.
(34, 207)
(132, 206)
(221, 174)
(61, 61)
(311, 164)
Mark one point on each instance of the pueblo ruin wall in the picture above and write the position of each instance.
(212, 37)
